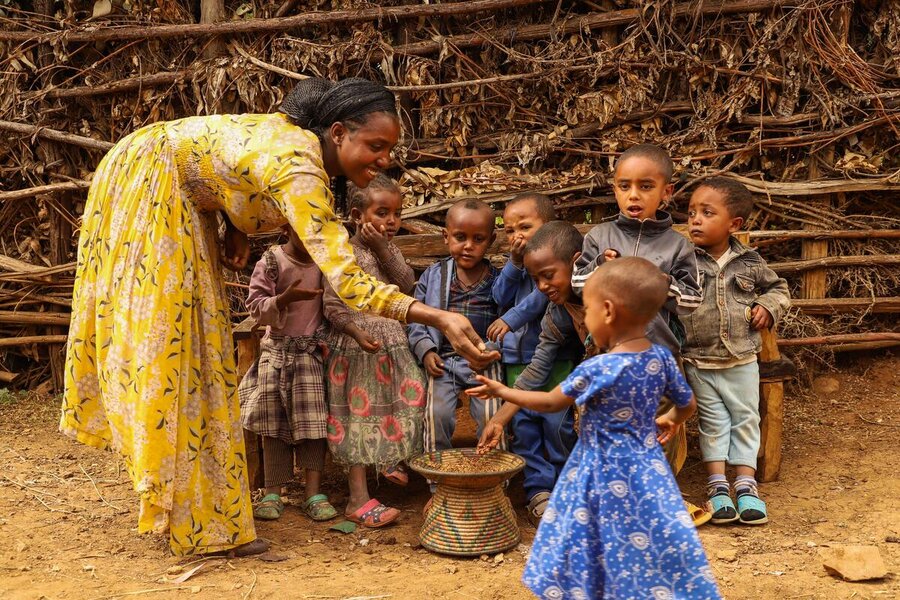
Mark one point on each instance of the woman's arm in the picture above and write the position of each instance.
(299, 187)
(458, 331)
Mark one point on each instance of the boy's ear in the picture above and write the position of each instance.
(669, 192)
(355, 215)
(736, 224)
(446, 236)
(610, 310)
(575, 258)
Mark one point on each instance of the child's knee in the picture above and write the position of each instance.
(442, 409)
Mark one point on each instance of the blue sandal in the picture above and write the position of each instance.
(723, 510)
(752, 510)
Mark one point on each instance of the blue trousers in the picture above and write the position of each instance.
(443, 393)
(728, 407)
(544, 440)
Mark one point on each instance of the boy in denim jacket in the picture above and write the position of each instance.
(741, 297)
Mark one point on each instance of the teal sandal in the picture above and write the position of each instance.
(723, 510)
(751, 510)
(318, 508)
(269, 508)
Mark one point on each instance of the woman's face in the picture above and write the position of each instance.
(364, 152)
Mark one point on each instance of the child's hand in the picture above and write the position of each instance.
(433, 364)
(488, 388)
(667, 427)
(295, 293)
(610, 254)
(366, 341)
(236, 249)
(517, 251)
(490, 437)
(760, 318)
(497, 330)
(374, 239)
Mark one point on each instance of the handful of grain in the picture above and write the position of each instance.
(460, 464)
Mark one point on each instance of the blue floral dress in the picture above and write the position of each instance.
(616, 526)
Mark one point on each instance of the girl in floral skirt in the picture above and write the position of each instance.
(376, 391)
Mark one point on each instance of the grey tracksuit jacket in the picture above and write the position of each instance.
(655, 240)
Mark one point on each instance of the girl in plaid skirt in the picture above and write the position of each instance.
(376, 390)
(283, 394)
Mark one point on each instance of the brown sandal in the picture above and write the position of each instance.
(257, 546)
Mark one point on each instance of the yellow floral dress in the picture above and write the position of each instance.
(150, 370)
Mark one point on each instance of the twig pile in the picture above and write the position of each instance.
(801, 101)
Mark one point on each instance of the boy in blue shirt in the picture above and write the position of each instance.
(545, 440)
(521, 304)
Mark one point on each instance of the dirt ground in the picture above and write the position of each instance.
(68, 519)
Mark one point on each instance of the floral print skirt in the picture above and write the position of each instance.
(376, 403)
(150, 370)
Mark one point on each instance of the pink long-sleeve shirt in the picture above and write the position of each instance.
(300, 318)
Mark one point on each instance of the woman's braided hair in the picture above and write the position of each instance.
(315, 104)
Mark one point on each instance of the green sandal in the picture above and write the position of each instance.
(318, 508)
(269, 508)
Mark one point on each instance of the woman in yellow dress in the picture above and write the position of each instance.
(150, 369)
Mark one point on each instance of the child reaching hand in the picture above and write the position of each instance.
(376, 390)
(616, 526)
(283, 394)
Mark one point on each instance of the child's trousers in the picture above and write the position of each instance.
(443, 392)
(278, 459)
(543, 440)
(728, 407)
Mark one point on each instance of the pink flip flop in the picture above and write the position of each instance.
(374, 514)
(396, 475)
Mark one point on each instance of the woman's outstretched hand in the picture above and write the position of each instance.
(459, 332)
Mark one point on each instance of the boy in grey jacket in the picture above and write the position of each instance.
(641, 184)
(741, 297)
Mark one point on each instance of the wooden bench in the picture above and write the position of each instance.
(774, 370)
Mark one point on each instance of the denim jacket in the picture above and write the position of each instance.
(558, 341)
(719, 329)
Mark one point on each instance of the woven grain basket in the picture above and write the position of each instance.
(470, 515)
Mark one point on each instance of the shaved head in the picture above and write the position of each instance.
(460, 208)
(632, 283)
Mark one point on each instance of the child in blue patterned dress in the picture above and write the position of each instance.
(616, 526)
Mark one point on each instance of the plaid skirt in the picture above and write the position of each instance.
(283, 394)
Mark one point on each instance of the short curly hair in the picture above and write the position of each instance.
(738, 199)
